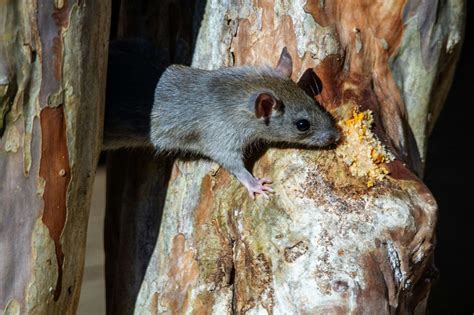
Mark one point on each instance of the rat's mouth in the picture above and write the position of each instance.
(326, 138)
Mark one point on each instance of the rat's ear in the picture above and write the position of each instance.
(265, 105)
(310, 83)
(285, 64)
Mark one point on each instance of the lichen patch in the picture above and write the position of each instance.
(13, 140)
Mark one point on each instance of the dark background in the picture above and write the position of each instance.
(447, 174)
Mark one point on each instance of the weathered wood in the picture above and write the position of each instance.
(53, 58)
(349, 230)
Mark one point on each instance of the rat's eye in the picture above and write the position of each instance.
(302, 125)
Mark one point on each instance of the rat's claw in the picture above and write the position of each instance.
(254, 194)
(251, 194)
(267, 188)
(264, 180)
(259, 187)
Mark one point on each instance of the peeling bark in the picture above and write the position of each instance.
(55, 171)
(52, 85)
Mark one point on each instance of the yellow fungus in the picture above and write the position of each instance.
(360, 148)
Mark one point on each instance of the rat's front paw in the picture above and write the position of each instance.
(257, 186)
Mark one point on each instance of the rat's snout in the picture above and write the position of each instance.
(331, 136)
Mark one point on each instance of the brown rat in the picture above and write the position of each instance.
(220, 113)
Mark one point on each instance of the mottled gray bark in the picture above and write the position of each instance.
(53, 57)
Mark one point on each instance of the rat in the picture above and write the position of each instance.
(220, 113)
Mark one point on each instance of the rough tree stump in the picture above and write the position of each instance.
(349, 230)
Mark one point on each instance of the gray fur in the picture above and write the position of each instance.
(208, 113)
(216, 110)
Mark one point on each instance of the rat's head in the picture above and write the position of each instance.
(289, 113)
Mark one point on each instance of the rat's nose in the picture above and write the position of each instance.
(331, 136)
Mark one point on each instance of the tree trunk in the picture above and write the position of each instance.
(349, 230)
(53, 58)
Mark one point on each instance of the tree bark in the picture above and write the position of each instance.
(53, 58)
(349, 230)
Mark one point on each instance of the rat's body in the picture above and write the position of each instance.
(219, 113)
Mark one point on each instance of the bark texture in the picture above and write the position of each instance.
(349, 230)
(53, 58)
